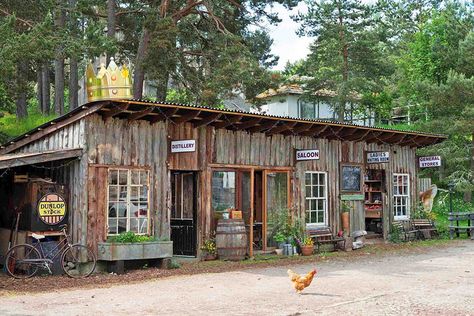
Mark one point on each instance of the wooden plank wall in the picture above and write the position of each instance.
(71, 136)
(117, 142)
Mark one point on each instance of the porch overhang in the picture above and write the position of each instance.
(23, 159)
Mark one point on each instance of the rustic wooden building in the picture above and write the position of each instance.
(170, 170)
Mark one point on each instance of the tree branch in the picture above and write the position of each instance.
(6, 13)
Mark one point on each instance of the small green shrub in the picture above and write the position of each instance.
(174, 264)
(395, 234)
(130, 237)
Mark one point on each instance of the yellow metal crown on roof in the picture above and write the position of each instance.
(112, 82)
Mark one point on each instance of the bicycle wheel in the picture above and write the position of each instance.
(78, 261)
(22, 261)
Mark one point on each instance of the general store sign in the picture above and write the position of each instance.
(431, 161)
(378, 156)
(51, 208)
(182, 146)
(310, 154)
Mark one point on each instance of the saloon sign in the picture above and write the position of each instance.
(378, 156)
(182, 146)
(429, 162)
(310, 154)
(51, 208)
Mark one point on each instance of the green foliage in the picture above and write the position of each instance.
(395, 235)
(12, 127)
(174, 264)
(209, 246)
(284, 228)
(130, 237)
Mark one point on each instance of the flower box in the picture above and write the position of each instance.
(108, 251)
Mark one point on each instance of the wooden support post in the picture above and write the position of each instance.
(252, 191)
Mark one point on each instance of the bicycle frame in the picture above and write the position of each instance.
(52, 254)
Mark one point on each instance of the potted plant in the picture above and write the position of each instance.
(345, 216)
(307, 246)
(209, 250)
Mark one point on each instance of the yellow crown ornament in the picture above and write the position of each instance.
(112, 82)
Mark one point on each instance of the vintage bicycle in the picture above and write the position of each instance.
(23, 261)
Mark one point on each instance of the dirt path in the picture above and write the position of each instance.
(436, 282)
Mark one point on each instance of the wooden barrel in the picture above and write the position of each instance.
(231, 239)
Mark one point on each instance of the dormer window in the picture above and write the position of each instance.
(307, 109)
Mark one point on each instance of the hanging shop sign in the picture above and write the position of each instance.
(309, 154)
(183, 146)
(378, 156)
(51, 208)
(430, 161)
(352, 197)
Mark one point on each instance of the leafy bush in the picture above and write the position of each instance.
(130, 237)
(395, 234)
(174, 264)
(209, 246)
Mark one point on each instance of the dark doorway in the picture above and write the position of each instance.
(183, 212)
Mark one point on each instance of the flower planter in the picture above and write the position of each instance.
(135, 251)
(307, 250)
(345, 222)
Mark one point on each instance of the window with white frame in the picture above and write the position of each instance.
(401, 196)
(316, 198)
(128, 201)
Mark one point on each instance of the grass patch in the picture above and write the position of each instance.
(12, 127)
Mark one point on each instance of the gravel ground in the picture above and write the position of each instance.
(433, 281)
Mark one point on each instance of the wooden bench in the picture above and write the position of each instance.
(425, 228)
(406, 230)
(324, 235)
(461, 223)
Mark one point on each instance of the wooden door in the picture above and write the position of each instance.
(183, 213)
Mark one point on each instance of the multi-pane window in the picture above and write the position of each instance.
(401, 196)
(128, 201)
(316, 198)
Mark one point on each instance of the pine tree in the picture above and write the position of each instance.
(346, 54)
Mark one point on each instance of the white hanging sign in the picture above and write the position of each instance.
(182, 146)
(378, 156)
(310, 154)
(430, 161)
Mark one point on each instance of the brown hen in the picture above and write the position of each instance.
(299, 282)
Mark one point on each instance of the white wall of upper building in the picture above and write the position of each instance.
(292, 105)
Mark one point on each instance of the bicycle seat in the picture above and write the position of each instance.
(37, 236)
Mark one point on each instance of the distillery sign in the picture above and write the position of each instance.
(308, 154)
(183, 146)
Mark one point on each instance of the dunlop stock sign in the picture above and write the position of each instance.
(51, 208)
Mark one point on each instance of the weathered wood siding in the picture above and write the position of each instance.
(119, 142)
(116, 142)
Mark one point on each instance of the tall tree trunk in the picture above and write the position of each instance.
(59, 22)
(73, 83)
(73, 64)
(39, 87)
(21, 90)
(46, 94)
(139, 75)
(345, 68)
(111, 6)
(162, 88)
(468, 194)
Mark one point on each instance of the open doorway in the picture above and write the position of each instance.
(374, 198)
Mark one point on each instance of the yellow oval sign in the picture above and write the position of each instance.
(51, 208)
